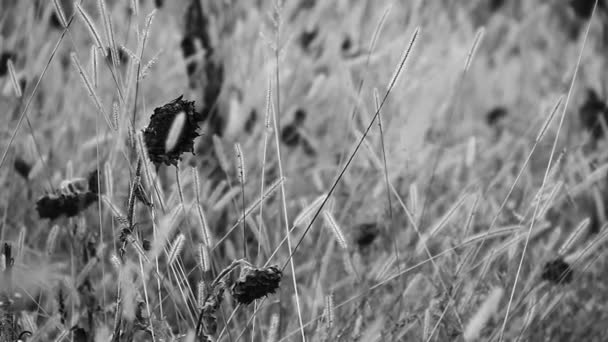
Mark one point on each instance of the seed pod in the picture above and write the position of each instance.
(255, 283)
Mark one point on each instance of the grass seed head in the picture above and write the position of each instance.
(255, 283)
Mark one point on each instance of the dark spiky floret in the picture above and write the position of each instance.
(157, 131)
(495, 115)
(591, 113)
(255, 283)
(4, 57)
(53, 205)
(366, 233)
(22, 167)
(557, 271)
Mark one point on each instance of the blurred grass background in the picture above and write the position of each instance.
(524, 63)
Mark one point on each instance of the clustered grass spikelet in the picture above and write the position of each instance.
(254, 283)
(157, 132)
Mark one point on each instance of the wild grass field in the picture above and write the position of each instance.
(302, 170)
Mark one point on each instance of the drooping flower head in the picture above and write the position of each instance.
(157, 132)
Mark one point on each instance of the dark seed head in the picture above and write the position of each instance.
(158, 3)
(290, 135)
(495, 115)
(557, 271)
(155, 135)
(347, 44)
(255, 283)
(307, 37)
(52, 205)
(591, 112)
(146, 244)
(4, 57)
(366, 233)
(22, 167)
(55, 22)
(584, 8)
(299, 117)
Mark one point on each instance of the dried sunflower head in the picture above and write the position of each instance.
(157, 132)
(53, 205)
(255, 283)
